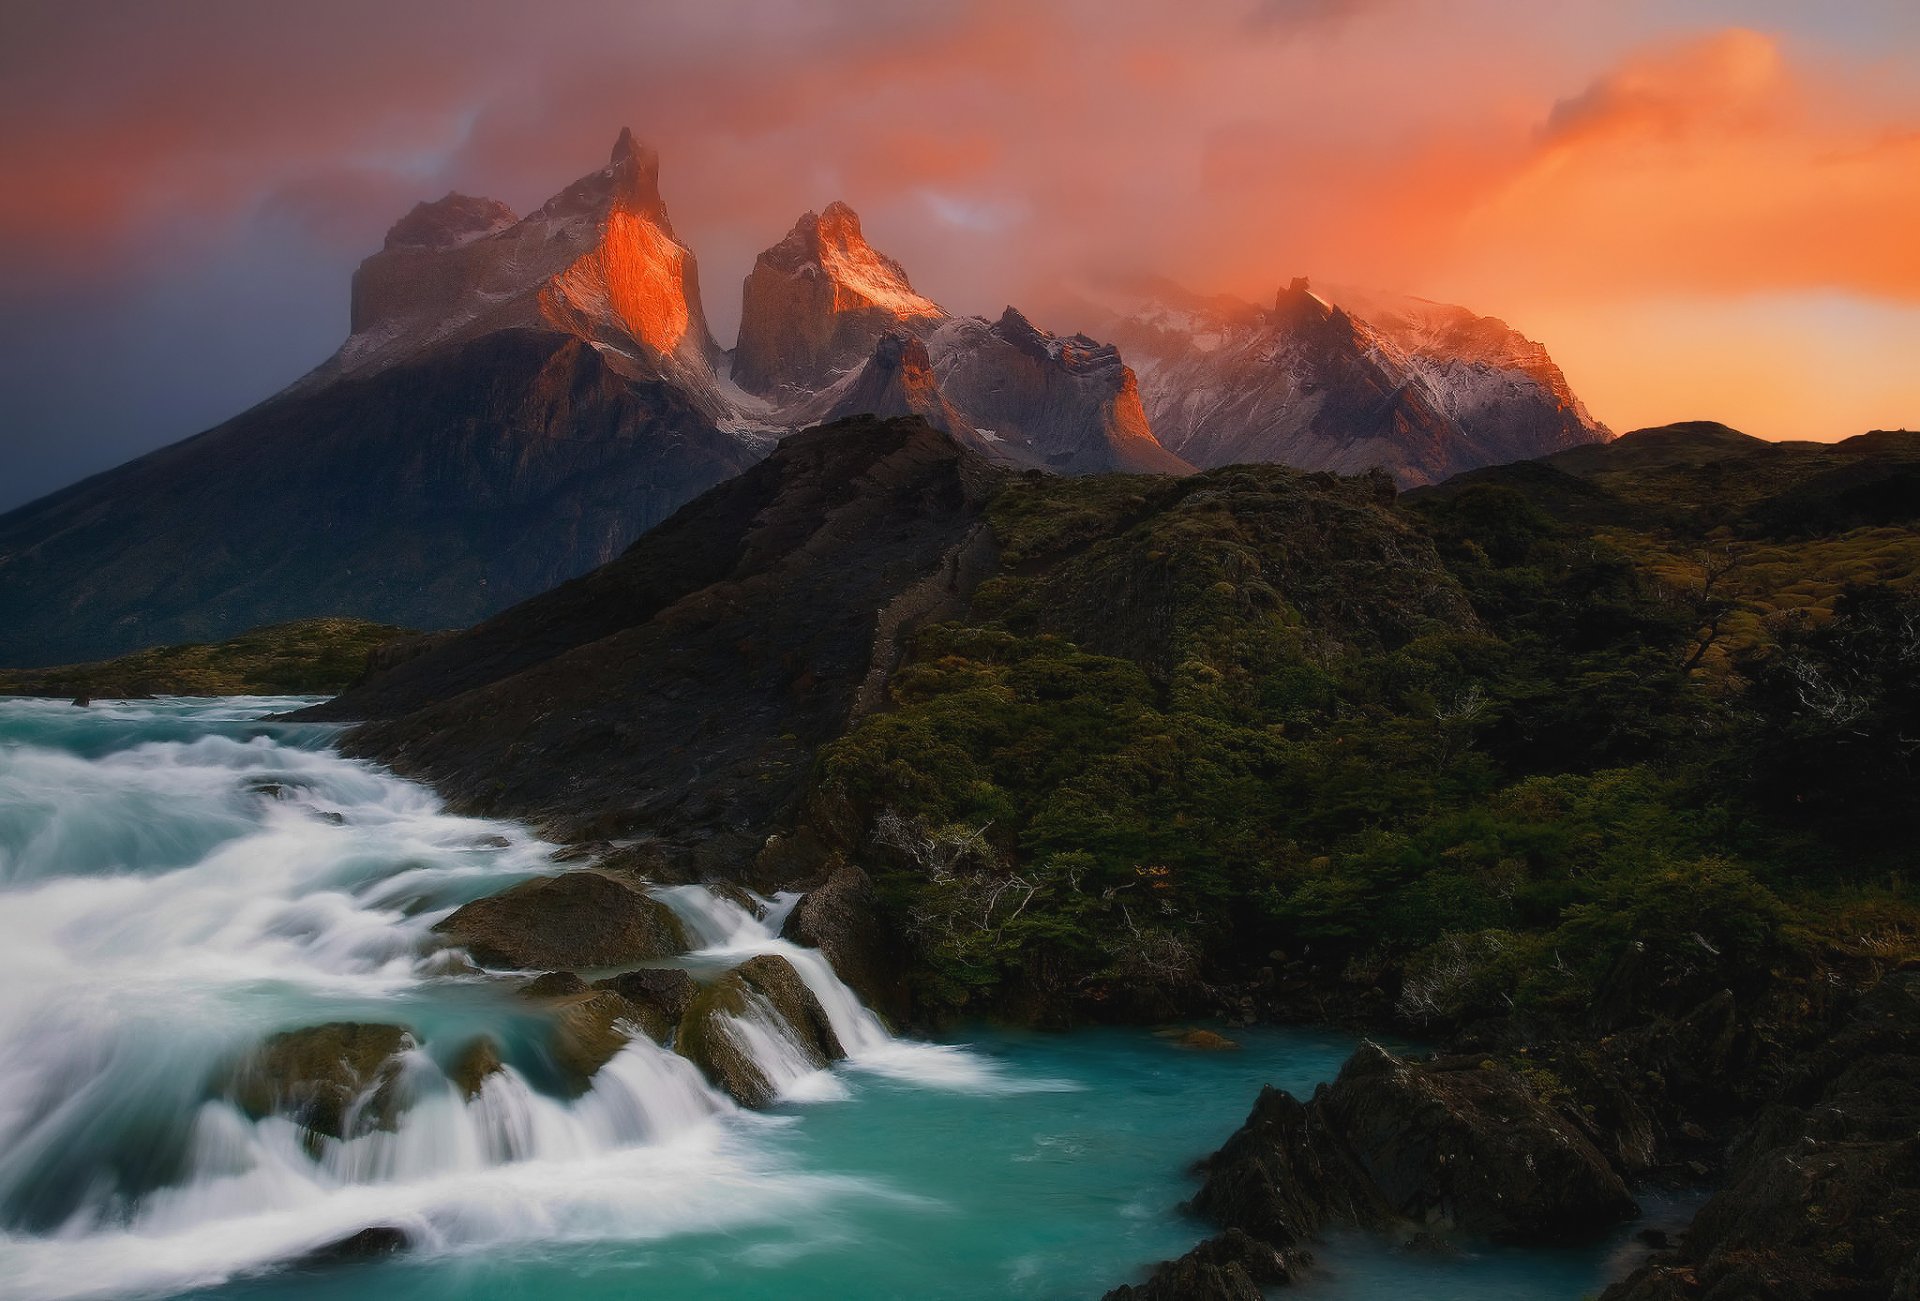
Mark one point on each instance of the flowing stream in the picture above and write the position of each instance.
(180, 879)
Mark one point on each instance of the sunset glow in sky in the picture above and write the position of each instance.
(1704, 208)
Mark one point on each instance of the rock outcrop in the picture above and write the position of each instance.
(589, 1024)
(582, 918)
(1448, 1146)
(1232, 1266)
(1823, 1199)
(1069, 404)
(841, 918)
(657, 998)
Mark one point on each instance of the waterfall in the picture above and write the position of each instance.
(179, 881)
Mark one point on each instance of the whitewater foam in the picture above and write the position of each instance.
(179, 880)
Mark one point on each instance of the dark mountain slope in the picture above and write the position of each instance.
(430, 493)
(679, 692)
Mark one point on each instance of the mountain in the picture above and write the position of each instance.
(817, 303)
(1344, 383)
(598, 262)
(830, 326)
(518, 401)
(519, 398)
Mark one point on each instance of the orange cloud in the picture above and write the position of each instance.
(1530, 161)
(1707, 167)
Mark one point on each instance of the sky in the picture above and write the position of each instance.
(1706, 209)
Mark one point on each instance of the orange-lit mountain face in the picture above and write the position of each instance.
(521, 397)
(816, 303)
(598, 262)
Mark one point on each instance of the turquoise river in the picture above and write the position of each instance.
(180, 879)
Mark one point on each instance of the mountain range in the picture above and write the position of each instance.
(521, 397)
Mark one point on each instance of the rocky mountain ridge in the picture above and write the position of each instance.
(521, 397)
(1343, 381)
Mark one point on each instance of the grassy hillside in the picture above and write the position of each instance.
(308, 657)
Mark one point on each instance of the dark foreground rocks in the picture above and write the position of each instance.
(1232, 1266)
(1450, 1146)
(1823, 1199)
(577, 919)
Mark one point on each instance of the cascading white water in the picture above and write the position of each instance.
(178, 882)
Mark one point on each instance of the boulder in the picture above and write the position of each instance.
(370, 1243)
(337, 1080)
(1229, 1267)
(473, 1065)
(658, 996)
(766, 986)
(1284, 1174)
(589, 1025)
(841, 918)
(577, 919)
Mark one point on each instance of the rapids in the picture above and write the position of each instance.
(180, 879)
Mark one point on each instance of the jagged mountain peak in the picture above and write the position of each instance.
(1333, 378)
(816, 303)
(599, 262)
(449, 222)
(630, 183)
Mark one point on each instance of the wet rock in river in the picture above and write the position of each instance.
(577, 919)
(764, 988)
(337, 1080)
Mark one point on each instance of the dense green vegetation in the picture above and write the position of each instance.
(1480, 750)
(308, 657)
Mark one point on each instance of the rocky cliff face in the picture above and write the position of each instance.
(599, 262)
(1068, 404)
(1344, 382)
(817, 303)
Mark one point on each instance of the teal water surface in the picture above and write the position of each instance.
(178, 879)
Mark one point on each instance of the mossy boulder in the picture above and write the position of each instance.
(337, 1080)
(763, 984)
(577, 919)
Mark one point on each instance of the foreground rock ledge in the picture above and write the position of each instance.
(1454, 1145)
